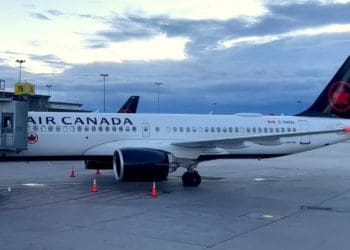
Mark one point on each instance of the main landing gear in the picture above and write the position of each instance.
(191, 179)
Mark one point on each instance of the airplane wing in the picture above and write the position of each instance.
(259, 139)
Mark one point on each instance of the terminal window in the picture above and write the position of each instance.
(7, 122)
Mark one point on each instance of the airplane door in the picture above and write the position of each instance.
(304, 125)
(145, 130)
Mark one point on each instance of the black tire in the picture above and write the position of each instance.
(186, 179)
(196, 179)
(191, 179)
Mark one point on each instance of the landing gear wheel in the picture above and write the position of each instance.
(191, 179)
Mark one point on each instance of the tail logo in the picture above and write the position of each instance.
(339, 96)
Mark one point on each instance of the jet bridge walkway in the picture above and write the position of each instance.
(13, 118)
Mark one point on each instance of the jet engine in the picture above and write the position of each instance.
(99, 163)
(142, 164)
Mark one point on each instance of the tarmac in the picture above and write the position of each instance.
(300, 201)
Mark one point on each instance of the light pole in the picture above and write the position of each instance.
(2, 84)
(158, 85)
(49, 86)
(20, 68)
(214, 107)
(104, 91)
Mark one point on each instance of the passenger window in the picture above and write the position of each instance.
(175, 129)
(194, 129)
(93, 129)
(188, 129)
(181, 129)
(65, 128)
(35, 128)
(50, 128)
(283, 130)
(230, 129)
(157, 129)
(72, 128)
(260, 130)
(248, 130)
(218, 129)
(224, 130)
(200, 129)
(236, 130)
(133, 129)
(58, 128)
(43, 128)
(100, 128)
(114, 129)
(127, 129)
(107, 128)
(271, 130)
(86, 128)
(212, 129)
(289, 130)
(254, 130)
(277, 130)
(265, 130)
(294, 130)
(120, 129)
(206, 129)
(79, 128)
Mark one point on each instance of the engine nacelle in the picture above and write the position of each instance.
(103, 163)
(141, 164)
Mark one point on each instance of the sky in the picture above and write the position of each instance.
(262, 56)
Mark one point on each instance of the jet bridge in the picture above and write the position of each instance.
(14, 120)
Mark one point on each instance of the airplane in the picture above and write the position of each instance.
(130, 106)
(150, 146)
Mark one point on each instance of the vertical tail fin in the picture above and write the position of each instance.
(334, 101)
(130, 106)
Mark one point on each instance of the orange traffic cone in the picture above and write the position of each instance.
(72, 173)
(98, 171)
(94, 186)
(154, 190)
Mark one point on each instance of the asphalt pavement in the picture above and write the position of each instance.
(300, 201)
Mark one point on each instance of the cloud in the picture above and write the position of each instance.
(51, 60)
(129, 28)
(55, 12)
(282, 64)
(39, 16)
(316, 31)
(280, 21)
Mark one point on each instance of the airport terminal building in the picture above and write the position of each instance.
(43, 103)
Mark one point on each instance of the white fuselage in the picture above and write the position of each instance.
(101, 134)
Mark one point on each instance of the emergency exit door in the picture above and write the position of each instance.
(145, 130)
(304, 126)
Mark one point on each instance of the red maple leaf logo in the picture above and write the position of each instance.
(339, 96)
(32, 138)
